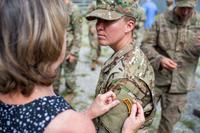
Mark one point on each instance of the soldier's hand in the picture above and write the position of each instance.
(102, 104)
(71, 58)
(135, 120)
(168, 63)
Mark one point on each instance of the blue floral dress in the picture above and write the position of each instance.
(32, 117)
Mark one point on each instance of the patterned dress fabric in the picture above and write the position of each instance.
(32, 117)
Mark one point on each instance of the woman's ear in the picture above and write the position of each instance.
(130, 25)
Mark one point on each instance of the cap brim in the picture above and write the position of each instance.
(103, 14)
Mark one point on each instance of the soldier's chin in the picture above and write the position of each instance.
(103, 43)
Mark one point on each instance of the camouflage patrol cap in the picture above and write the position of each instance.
(114, 9)
(185, 3)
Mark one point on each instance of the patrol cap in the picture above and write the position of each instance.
(114, 9)
(185, 3)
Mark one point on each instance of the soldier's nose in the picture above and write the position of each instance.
(99, 24)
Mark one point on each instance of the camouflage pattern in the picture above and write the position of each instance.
(129, 74)
(174, 39)
(95, 50)
(172, 105)
(73, 44)
(185, 3)
(74, 29)
(114, 9)
(74, 32)
(139, 29)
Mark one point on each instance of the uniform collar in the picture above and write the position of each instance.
(116, 57)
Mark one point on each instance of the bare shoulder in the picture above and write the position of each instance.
(70, 122)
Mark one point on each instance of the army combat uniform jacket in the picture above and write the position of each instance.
(175, 40)
(129, 74)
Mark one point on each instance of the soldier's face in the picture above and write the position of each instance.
(184, 12)
(110, 32)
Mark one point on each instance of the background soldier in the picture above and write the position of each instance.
(173, 48)
(127, 72)
(95, 50)
(73, 46)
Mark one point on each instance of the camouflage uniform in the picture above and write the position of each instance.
(95, 50)
(73, 45)
(173, 39)
(127, 72)
(139, 29)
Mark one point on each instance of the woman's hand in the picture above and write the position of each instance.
(102, 104)
(135, 120)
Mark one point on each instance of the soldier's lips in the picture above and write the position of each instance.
(101, 36)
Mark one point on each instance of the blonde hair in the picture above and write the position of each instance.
(31, 40)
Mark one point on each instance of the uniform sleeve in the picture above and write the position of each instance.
(76, 21)
(149, 44)
(127, 91)
(193, 47)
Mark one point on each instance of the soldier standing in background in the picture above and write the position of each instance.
(73, 46)
(127, 72)
(173, 48)
(95, 50)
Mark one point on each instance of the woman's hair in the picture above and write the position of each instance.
(31, 40)
(128, 18)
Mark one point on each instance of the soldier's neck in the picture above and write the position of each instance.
(122, 43)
